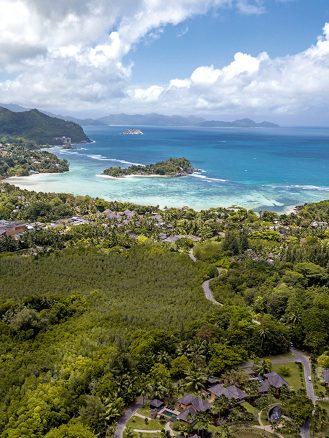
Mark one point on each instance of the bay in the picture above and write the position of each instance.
(274, 169)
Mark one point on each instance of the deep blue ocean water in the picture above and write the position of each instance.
(273, 169)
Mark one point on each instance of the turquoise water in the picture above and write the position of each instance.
(273, 169)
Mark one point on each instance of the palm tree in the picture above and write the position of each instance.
(196, 380)
(129, 432)
(263, 367)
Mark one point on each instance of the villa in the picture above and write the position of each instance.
(275, 380)
(230, 392)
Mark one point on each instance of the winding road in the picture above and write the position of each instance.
(298, 356)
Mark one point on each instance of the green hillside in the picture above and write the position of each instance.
(39, 127)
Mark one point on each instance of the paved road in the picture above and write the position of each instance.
(305, 361)
(208, 294)
(129, 412)
(299, 356)
(206, 284)
(191, 255)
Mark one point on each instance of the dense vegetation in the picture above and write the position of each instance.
(93, 315)
(39, 127)
(172, 167)
(19, 160)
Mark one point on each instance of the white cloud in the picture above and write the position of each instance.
(150, 94)
(71, 57)
(72, 52)
(251, 7)
(256, 85)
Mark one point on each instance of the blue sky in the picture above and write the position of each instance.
(220, 59)
(285, 28)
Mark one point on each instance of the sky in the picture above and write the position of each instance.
(219, 59)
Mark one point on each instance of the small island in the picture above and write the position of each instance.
(174, 167)
(132, 131)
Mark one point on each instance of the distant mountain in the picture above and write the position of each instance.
(39, 127)
(242, 123)
(83, 122)
(161, 120)
(13, 107)
(150, 119)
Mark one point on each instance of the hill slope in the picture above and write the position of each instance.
(39, 127)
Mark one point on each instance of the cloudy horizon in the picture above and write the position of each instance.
(186, 57)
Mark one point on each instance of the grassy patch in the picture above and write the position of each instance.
(251, 409)
(248, 432)
(294, 380)
(281, 356)
(145, 410)
(139, 423)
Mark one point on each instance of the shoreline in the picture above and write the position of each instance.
(38, 183)
(15, 181)
(138, 176)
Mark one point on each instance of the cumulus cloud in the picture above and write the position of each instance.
(66, 52)
(255, 84)
(71, 55)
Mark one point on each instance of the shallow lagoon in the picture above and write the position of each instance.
(273, 169)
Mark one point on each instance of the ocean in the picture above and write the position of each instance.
(259, 168)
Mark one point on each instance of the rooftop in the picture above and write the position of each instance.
(230, 392)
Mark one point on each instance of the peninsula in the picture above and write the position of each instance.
(38, 127)
(173, 167)
(22, 159)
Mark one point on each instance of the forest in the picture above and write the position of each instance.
(96, 314)
(23, 160)
(173, 167)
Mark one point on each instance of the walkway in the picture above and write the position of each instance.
(267, 428)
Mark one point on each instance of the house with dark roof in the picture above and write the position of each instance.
(114, 215)
(129, 214)
(190, 400)
(188, 416)
(264, 386)
(190, 405)
(275, 380)
(230, 392)
(156, 404)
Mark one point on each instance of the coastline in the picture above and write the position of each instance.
(138, 176)
(38, 182)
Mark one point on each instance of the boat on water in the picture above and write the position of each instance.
(132, 131)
